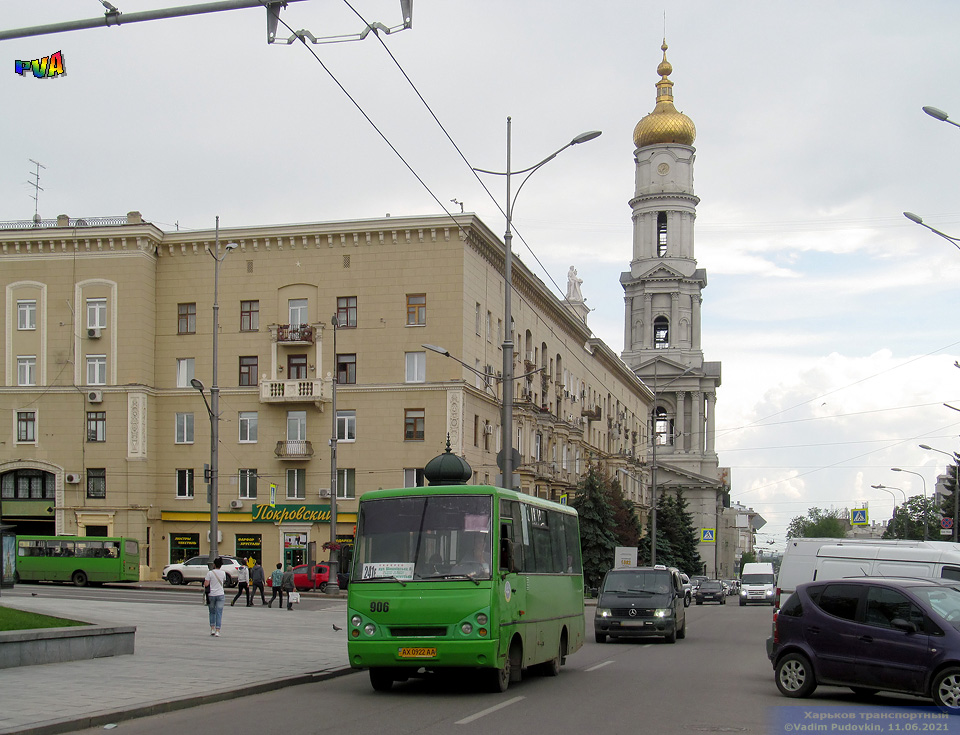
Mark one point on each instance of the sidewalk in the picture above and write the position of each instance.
(176, 663)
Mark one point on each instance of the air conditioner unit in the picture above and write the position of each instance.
(235, 504)
(72, 478)
(488, 429)
(324, 492)
(93, 333)
(95, 396)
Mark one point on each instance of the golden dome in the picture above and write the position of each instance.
(665, 124)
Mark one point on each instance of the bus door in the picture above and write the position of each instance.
(512, 586)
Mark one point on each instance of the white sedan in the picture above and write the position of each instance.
(195, 569)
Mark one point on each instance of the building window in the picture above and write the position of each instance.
(346, 369)
(27, 314)
(185, 371)
(298, 312)
(346, 484)
(296, 484)
(184, 483)
(476, 319)
(96, 369)
(346, 311)
(96, 426)
(661, 333)
(96, 483)
(249, 316)
(248, 484)
(413, 477)
(664, 428)
(416, 367)
(661, 234)
(248, 370)
(27, 484)
(296, 367)
(26, 426)
(27, 370)
(346, 426)
(414, 421)
(296, 426)
(186, 318)
(248, 427)
(489, 327)
(476, 430)
(184, 428)
(96, 313)
(487, 431)
(500, 332)
(537, 447)
(416, 309)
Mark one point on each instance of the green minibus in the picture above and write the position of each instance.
(463, 576)
(80, 560)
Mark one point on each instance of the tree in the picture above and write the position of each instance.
(748, 557)
(677, 539)
(819, 523)
(907, 520)
(626, 526)
(597, 540)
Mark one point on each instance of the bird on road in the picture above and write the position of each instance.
(336, 628)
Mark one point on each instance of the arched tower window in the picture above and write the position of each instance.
(661, 234)
(663, 426)
(661, 333)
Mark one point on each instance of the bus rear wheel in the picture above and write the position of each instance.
(79, 579)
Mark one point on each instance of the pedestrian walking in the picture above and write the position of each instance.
(276, 579)
(286, 582)
(243, 584)
(256, 583)
(214, 582)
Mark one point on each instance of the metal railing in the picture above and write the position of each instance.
(287, 449)
(71, 222)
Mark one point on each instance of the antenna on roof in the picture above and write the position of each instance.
(36, 189)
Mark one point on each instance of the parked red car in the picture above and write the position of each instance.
(301, 580)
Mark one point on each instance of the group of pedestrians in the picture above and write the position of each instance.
(249, 580)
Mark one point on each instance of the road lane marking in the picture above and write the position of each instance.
(599, 666)
(488, 711)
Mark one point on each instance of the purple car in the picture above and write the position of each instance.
(870, 634)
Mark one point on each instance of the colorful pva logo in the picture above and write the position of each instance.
(48, 66)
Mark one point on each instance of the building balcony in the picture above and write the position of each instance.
(293, 391)
(287, 449)
(295, 334)
(592, 413)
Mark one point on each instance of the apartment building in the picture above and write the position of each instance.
(107, 323)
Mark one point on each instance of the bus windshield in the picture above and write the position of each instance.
(425, 538)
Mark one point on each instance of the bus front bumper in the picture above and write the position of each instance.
(422, 653)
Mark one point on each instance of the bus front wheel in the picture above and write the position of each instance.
(500, 678)
(381, 680)
(79, 579)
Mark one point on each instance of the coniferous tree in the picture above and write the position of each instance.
(687, 555)
(626, 528)
(597, 540)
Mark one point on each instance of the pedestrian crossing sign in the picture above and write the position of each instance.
(858, 517)
(708, 535)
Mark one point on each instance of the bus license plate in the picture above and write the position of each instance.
(418, 653)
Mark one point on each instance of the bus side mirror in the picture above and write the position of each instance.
(507, 560)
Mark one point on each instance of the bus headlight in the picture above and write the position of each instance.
(355, 621)
(482, 619)
(466, 629)
(370, 629)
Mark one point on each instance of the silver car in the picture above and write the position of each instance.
(195, 569)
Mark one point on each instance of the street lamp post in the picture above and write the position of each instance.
(213, 408)
(888, 489)
(657, 390)
(926, 519)
(956, 487)
(333, 585)
(506, 420)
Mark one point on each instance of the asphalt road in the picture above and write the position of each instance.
(716, 680)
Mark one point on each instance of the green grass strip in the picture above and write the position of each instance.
(11, 619)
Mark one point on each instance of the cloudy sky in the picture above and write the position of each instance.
(833, 316)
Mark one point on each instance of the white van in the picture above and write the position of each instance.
(806, 560)
(757, 583)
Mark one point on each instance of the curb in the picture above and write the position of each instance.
(106, 718)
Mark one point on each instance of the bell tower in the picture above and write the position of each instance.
(662, 318)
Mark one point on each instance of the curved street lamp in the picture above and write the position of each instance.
(888, 489)
(506, 420)
(926, 519)
(956, 492)
(939, 115)
(333, 584)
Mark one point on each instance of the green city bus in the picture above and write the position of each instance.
(463, 576)
(80, 560)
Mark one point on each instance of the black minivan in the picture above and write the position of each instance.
(638, 602)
